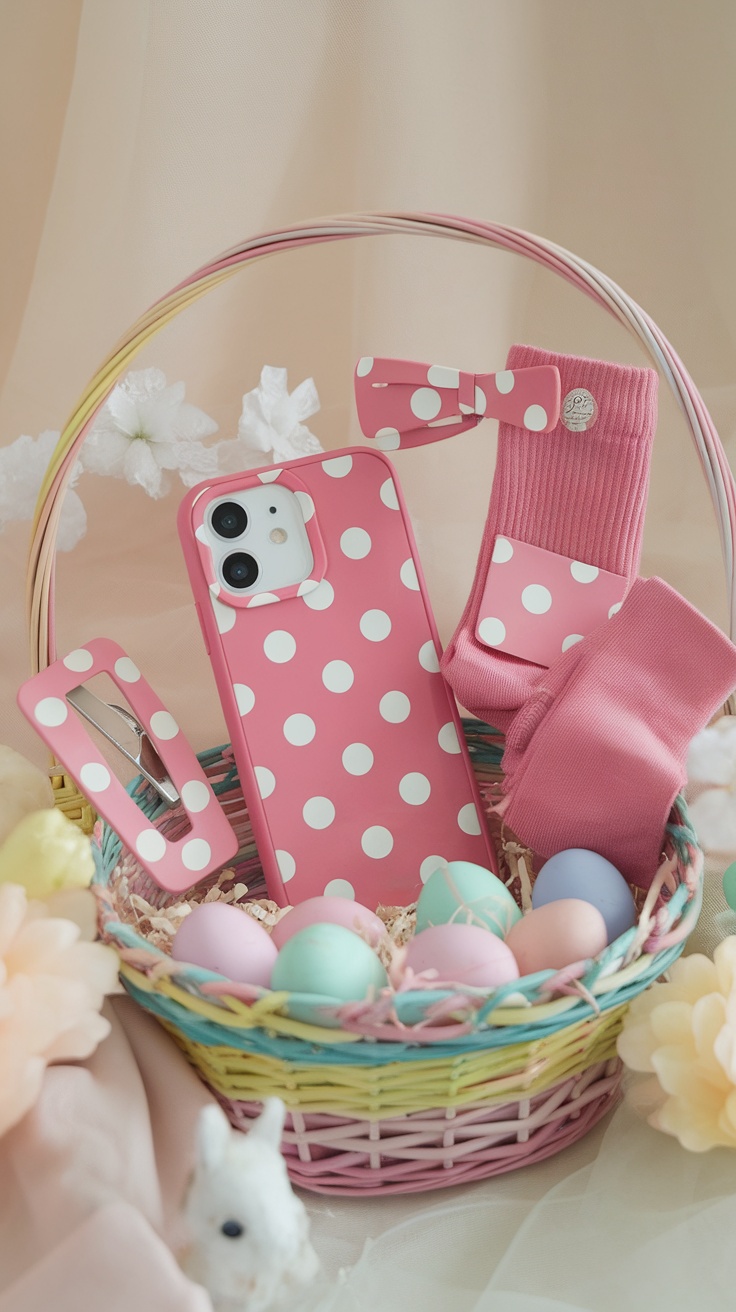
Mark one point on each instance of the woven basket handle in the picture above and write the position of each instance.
(588, 279)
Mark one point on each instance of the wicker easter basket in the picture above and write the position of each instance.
(428, 1087)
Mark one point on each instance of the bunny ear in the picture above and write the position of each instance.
(213, 1136)
(270, 1124)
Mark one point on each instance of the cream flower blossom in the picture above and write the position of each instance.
(271, 427)
(146, 429)
(22, 466)
(711, 772)
(51, 990)
(684, 1032)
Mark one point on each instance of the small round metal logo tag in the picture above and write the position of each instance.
(579, 410)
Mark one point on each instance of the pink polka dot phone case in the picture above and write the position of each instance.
(346, 736)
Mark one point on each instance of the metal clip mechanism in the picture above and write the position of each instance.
(141, 753)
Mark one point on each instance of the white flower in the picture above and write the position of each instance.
(271, 428)
(22, 467)
(711, 771)
(146, 428)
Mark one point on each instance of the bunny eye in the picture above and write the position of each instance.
(232, 1229)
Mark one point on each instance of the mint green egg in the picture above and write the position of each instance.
(329, 960)
(463, 893)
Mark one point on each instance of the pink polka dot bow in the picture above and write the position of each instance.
(402, 403)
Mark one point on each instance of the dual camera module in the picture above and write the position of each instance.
(230, 520)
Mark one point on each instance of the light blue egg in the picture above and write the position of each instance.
(464, 893)
(581, 874)
(328, 960)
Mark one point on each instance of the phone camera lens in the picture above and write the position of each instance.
(240, 570)
(229, 520)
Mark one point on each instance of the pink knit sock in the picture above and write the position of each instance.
(596, 756)
(580, 494)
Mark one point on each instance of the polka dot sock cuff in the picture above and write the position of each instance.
(579, 491)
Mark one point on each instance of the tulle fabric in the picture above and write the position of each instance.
(644, 1226)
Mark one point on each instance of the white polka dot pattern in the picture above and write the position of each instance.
(389, 495)
(245, 697)
(570, 640)
(225, 616)
(79, 661)
(394, 707)
(266, 780)
(614, 610)
(535, 418)
(375, 625)
(150, 845)
(448, 739)
(163, 725)
(51, 712)
(338, 467)
(425, 403)
(357, 758)
(355, 543)
(286, 864)
(583, 573)
(428, 658)
(195, 795)
(438, 375)
(364, 365)
(429, 865)
(536, 599)
(468, 819)
(338, 676)
(414, 788)
(505, 381)
(280, 646)
(318, 812)
(340, 888)
(95, 777)
(299, 729)
(262, 599)
(408, 575)
(388, 439)
(195, 854)
(306, 505)
(269, 475)
(127, 670)
(377, 841)
(491, 630)
(502, 551)
(321, 597)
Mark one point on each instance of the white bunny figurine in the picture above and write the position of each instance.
(249, 1233)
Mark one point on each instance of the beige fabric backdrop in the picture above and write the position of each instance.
(140, 137)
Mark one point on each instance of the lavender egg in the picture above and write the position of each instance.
(578, 873)
(462, 954)
(222, 938)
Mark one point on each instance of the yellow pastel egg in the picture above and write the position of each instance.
(45, 853)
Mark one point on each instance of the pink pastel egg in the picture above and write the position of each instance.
(329, 911)
(556, 935)
(222, 938)
(462, 954)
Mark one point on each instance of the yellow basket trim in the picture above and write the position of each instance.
(495, 1076)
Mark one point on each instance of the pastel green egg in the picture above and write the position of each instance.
(466, 894)
(328, 960)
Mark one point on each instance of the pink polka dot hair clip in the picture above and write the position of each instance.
(402, 403)
(199, 837)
